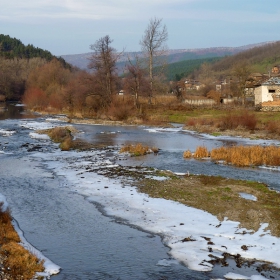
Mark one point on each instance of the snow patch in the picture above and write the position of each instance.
(6, 132)
(248, 196)
(234, 276)
(35, 135)
(175, 222)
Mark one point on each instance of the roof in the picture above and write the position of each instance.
(272, 81)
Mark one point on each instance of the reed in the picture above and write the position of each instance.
(241, 156)
(201, 152)
(187, 154)
(248, 155)
(21, 263)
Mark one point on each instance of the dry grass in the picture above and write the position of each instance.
(248, 155)
(187, 154)
(241, 156)
(63, 135)
(138, 149)
(220, 197)
(22, 264)
(201, 152)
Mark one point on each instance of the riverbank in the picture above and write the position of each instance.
(246, 211)
(90, 172)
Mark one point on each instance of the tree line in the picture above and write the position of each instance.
(88, 93)
(49, 83)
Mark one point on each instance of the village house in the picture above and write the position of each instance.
(267, 91)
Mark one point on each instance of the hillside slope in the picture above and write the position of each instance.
(259, 59)
(81, 60)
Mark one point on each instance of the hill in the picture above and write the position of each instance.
(17, 61)
(178, 70)
(259, 59)
(175, 55)
(13, 48)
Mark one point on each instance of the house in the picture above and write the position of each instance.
(275, 70)
(267, 91)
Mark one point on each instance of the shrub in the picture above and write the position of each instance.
(247, 120)
(121, 108)
(35, 98)
(192, 122)
(244, 119)
(273, 127)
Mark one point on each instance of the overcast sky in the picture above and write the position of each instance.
(71, 26)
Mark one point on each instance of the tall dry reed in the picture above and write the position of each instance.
(138, 149)
(241, 156)
(201, 152)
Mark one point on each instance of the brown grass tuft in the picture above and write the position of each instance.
(248, 155)
(201, 152)
(22, 264)
(138, 149)
(187, 154)
(240, 155)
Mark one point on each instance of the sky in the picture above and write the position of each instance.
(70, 26)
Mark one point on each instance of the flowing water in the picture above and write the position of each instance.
(76, 234)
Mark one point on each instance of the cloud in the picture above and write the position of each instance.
(87, 9)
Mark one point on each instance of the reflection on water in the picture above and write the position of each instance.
(13, 111)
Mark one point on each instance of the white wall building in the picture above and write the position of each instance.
(268, 91)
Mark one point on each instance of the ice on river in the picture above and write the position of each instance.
(173, 221)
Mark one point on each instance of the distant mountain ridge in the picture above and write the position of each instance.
(175, 55)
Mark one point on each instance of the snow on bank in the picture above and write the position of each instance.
(6, 133)
(234, 276)
(175, 222)
(240, 139)
(172, 220)
(50, 267)
(35, 135)
(35, 125)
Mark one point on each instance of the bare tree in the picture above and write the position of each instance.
(103, 62)
(135, 81)
(242, 72)
(153, 45)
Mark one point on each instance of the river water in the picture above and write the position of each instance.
(75, 233)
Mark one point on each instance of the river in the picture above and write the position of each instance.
(75, 232)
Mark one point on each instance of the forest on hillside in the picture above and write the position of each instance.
(16, 63)
(259, 59)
